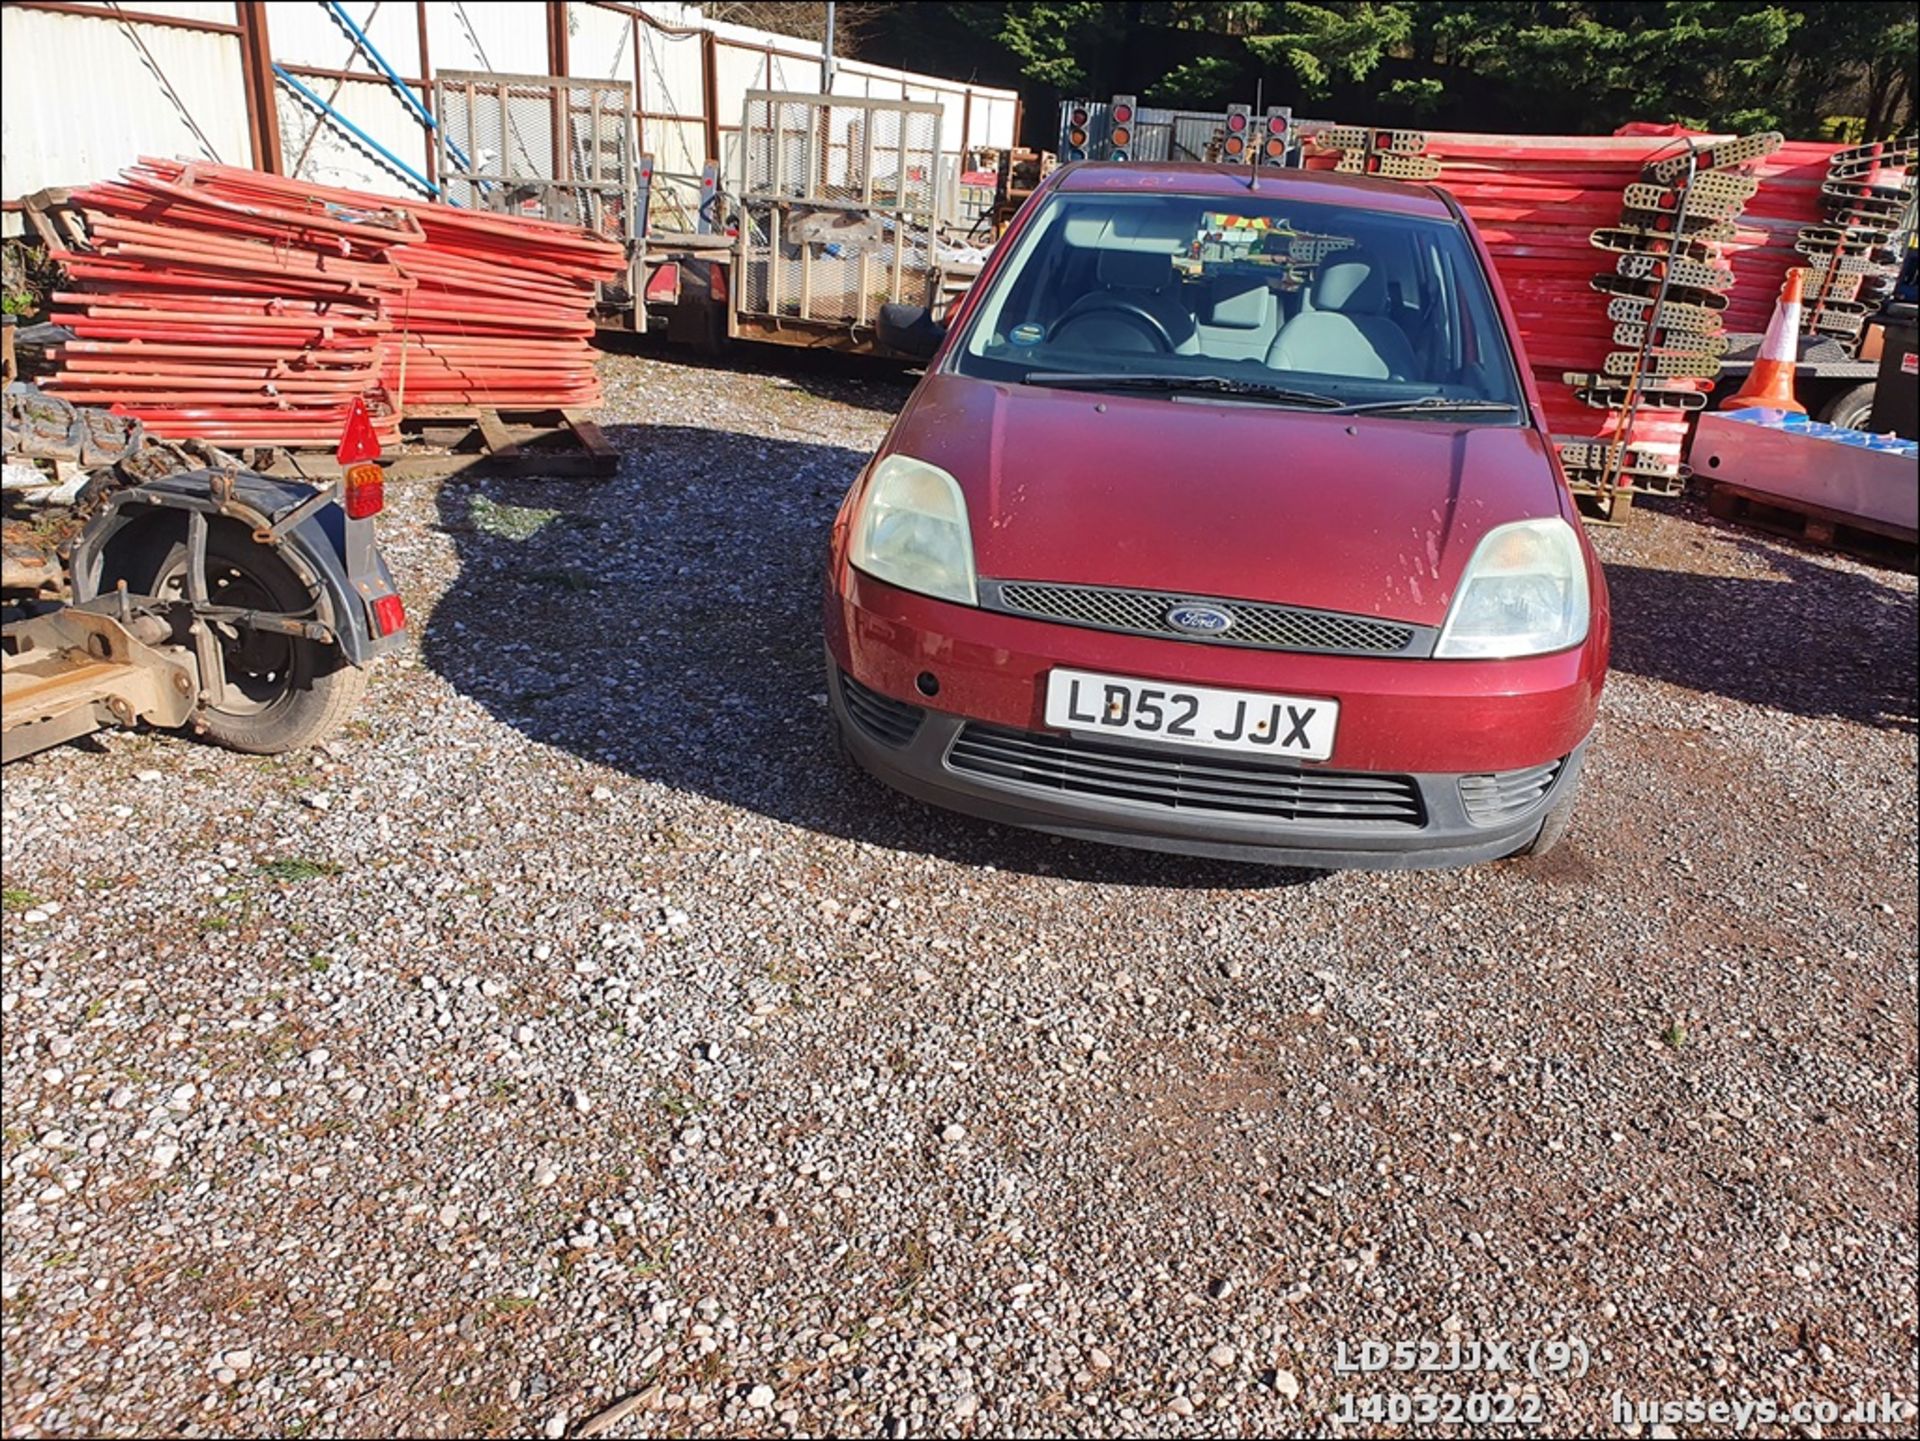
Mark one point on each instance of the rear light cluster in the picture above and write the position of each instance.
(389, 614)
(366, 490)
(363, 493)
(359, 456)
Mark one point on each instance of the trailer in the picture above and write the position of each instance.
(1834, 386)
(833, 208)
(245, 607)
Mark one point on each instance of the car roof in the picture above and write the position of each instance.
(1329, 187)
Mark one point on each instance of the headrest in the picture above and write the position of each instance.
(1239, 302)
(1349, 281)
(1134, 269)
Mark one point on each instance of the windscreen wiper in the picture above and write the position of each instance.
(1211, 384)
(1430, 402)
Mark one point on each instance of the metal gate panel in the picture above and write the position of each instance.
(839, 196)
(550, 146)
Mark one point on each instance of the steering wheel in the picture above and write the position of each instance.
(1104, 301)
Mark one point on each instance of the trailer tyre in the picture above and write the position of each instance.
(1850, 408)
(282, 692)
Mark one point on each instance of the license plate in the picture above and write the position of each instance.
(1256, 722)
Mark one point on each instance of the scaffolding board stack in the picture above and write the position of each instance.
(1666, 298)
(1851, 258)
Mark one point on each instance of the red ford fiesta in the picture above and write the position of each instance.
(1225, 521)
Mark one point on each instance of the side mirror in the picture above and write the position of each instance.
(910, 330)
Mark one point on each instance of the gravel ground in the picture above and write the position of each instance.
(574, 1029)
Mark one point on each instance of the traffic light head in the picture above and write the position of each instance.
(1239, 128)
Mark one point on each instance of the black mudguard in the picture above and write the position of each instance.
(335, 557)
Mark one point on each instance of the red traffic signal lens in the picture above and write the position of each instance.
(1079, 115)
(1122, 115)
(1121, 135)
(1276, 125)
(1236, 122)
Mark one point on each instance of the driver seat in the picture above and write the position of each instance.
(1131, 279)
(1348, 330)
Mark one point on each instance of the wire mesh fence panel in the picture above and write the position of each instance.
(838, 196)
(548, 146)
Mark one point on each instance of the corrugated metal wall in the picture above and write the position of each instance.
(87, 94)
(308, 37)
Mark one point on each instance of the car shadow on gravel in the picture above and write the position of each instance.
(1817, 642)
(666, 622)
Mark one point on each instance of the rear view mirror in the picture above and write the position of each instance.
(910, 330)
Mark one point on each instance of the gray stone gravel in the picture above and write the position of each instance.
(600, 1039)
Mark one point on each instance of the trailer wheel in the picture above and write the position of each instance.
(282, 692)
(1850, 408)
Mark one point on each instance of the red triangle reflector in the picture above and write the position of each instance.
(358, 442)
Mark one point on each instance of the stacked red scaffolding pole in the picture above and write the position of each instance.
(494, 320)
(243, 307)
(1537, 201)
(1764, 249)
(233, 322)
(1571, 251)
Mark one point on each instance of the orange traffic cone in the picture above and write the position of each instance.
(1770, 383)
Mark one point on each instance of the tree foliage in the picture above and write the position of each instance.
(1543, 66)
(1320, 42)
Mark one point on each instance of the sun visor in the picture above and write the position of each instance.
(1145, 225)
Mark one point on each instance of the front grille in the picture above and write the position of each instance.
(1255, 623)
(1491, 799)
(1089, 766)
(889, 721)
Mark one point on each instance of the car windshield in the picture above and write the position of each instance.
(1248, 299)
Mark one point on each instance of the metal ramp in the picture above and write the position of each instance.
(838, 201)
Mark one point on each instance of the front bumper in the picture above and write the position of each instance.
(1423, 723)
(1396, 715)
(914, 750)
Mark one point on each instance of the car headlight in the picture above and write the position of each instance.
(912, 531)
(1524, 593)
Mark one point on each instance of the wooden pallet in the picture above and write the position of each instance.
(1815, 525)
(555, 443)
(55, 219)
